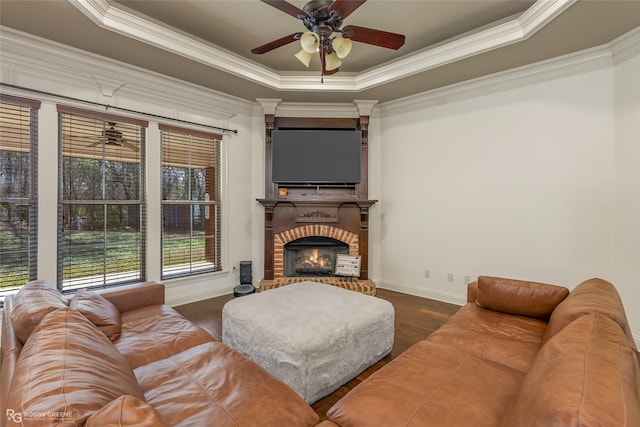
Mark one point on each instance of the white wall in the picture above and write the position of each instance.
(536, 181)
(626, 198)
(39, 64)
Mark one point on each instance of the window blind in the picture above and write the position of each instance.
(18, 191)
(102, 209)
(191, 220)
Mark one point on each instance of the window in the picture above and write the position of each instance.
(18, 191)
(190, 202)
(101, 199)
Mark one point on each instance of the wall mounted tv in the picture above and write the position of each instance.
(322, 156)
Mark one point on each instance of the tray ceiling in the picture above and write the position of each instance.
(208, 42)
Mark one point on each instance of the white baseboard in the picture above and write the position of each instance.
(422, 292)
(198, 288)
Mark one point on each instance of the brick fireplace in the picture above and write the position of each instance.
(280, 241)
(316, 211)
(289, 220)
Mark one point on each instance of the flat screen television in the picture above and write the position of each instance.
(316, 156)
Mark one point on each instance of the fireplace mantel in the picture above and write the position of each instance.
(282, 214)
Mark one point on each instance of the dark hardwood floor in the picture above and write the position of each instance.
(415, 319)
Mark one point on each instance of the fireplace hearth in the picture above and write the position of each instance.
(312, 256)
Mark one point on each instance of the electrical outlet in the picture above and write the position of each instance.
(467, 280)
(450, 277)
(427, 274)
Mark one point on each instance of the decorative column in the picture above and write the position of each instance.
(269, 107)
(364, 111)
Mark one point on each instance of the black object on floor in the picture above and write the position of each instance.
(244, 289)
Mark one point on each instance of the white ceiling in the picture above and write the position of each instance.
(208, 42)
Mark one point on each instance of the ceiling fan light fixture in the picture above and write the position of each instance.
(310, 42)
(304, 57)
(341, 46)
(332, 62)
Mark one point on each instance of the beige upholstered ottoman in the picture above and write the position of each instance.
(314, 337)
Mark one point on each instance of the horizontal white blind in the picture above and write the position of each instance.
(18, 191)
(191, 223)
(102, 201)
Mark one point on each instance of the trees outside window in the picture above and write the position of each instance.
(18, 191)
(190, 202)
(102, 200)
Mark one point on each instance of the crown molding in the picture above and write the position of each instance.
(626, 46)
(42, 64)
(567, 65)
(119, 20)
(312, 109)
(623, 48)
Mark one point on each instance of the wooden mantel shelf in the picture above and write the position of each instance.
(286, 213)
(309, 201)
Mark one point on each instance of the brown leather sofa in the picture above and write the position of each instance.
(123, 358)
(517, 354)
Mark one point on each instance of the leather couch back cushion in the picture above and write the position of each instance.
(591, 296)
(519, 297)
(69, 368)
(586, 375)
(32, 302)
(99, 311)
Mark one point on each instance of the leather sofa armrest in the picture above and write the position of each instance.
(472, 291)
(127, 298)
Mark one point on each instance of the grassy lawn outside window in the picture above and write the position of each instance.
(102, 211)
(190, 202)
(18, 191)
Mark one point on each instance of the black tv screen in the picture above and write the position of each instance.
(316, 156)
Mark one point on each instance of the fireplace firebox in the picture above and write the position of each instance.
(312, 256)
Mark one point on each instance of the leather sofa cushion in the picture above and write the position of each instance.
(213, 385)
(99, 311)
(68, 367)
(510, 340)
(590, 296)
(156, 332)
(586, 375)
(32, 302)
(519, 297)
(126, 411)
(430, 384)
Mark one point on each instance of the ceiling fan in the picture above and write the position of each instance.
(111, 136)
(323, 19)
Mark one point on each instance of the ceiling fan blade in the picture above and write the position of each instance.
(276, 43)
(375, 37)
(286, 7)
(129, 145)
(346, 7)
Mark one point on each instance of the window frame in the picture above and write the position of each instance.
(108, 279)
(213, 204)
(31, 201)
